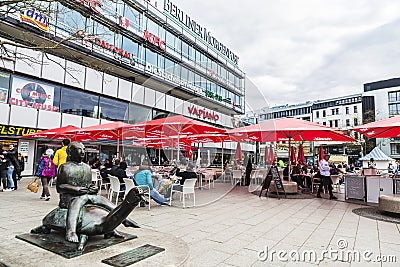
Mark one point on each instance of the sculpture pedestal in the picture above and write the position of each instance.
(56, 243)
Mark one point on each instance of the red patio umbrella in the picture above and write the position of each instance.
(286, 129)
(115, 131)
(272, 154)
(176, 126)
(238, 153)
(55, 134)
(386, 128)
(293, 156)
(300, 157)
(289, 129)
(321, 153)
(267, 156)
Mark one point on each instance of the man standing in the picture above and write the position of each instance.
(325, 174)
(61, 154)
(13, 168)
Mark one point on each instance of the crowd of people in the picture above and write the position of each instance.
(11, 166)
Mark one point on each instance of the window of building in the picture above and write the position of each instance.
(337, 111)
(394, 149)
(333, 111)
(113, 110)
(355, 109)
(79, 103)
(330, 123)
(135, 18)
(355, 121)
(347, 110)
(347, 122)
(394, 109)
(324, 113)
(138, 113)
(324, 123)
(4, 86)
(317, 114)
(336, 123)
(393, 97)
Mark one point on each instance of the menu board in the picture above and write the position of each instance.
(355, 187)
(277, 179)
(272, 174)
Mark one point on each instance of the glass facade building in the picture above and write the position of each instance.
(93, 61)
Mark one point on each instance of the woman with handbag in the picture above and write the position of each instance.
(46, 171)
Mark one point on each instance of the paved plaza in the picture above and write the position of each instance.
(239, 229)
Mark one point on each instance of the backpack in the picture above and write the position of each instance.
(49, 168)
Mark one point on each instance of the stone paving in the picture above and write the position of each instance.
(233, 231)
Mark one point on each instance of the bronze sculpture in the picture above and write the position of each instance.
(81, 211)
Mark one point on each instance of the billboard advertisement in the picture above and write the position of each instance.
(28, 93)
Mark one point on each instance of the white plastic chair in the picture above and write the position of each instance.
(335, 181)
(129, 184)
(95, 177)
(186, 189)
(209, 177)
(115, 186)
(237, 176)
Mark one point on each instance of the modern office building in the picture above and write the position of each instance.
(381, 100)
(88, 62)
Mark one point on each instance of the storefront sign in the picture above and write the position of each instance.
(35, 18)
(26, 93)
(153, 39)
(92, 4)
(163, 74)
(203, 113)
(91, 39)
(196, 28)
(16, 131)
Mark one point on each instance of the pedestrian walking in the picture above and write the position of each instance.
(46, 171)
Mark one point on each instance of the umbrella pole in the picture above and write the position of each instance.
(290, 161)
(118, 147)
(222, 160)
(159, 156)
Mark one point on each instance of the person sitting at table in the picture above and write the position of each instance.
(296, 175)
(143, 179)
(166, 184)
(306, 176)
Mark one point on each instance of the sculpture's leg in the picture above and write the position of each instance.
(113, 234)
(82, 242)
(110, 206)
(119, 214)
(41, 230)
(72, 218)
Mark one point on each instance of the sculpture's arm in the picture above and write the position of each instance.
(71, 189)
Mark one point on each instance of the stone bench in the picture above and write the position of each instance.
(290, 187)
(389, 203)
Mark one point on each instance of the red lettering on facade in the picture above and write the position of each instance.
(154, 40)
(92, 4)
(202, 113)
(97, 41)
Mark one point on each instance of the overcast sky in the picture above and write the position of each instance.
(298, 50)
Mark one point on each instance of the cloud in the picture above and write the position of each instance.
(294, 51)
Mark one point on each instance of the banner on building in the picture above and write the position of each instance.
(27, 93)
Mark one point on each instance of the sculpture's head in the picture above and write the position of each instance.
(76, 152)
